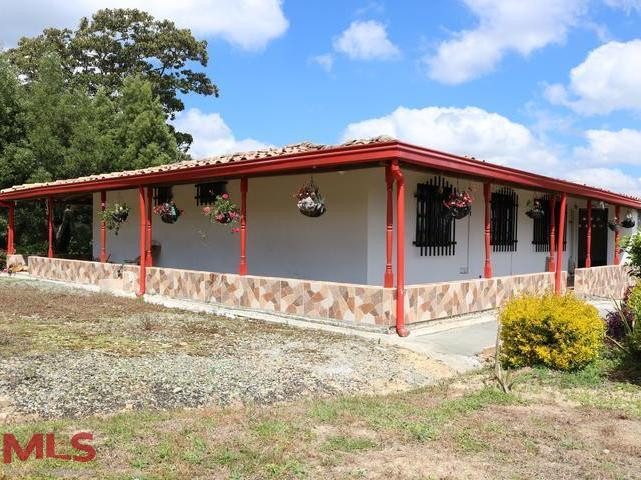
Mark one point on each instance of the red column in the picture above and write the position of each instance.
(487, 193)
(142, 277)
(50, 221)
(617, 235)
(588, 239)
(242, 267)
(388, 277)
(148, 257)
(11, 248)
(400, 250)
(559, 249)
(103, 228)
(552, 231)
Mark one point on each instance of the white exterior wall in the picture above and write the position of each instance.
(347, 244)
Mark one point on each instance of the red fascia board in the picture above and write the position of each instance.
(4, 205)
(322, 159)
(444, 161)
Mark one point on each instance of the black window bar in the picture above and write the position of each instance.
(206, 193)
(541, 226)
(162, 195)
(504, 223)
(435, 229)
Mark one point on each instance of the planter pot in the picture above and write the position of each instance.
(627, 223)
(311, 208)
(225, 220)
(459, 212)
(535, 214)
(613, 226)
(120, 217)
(171, 216)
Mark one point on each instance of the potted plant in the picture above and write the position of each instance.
(114, 216)
(458, 204)
(628, 221)
(614, 224)
(223, 211)
(168, 212)
(535, 210)
(309, 201)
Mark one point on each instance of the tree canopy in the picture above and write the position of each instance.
(115, 44)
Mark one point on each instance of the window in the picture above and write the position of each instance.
(541, 226)
(206, 193)
(162, 195)
(435, 231)
(505, 207)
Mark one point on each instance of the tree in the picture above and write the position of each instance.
(116, 44)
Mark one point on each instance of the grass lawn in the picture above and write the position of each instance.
(553, 426)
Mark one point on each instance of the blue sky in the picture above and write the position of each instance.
(552, 86)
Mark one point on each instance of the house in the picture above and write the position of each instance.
(387, 252)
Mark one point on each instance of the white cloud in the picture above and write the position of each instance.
(504, 26)
(326, 61)
(249, 24)
(628, 6)
(211, 134)
(608, 79)
(607, 178)
(611, 147)
(463, 131)
(366, 40)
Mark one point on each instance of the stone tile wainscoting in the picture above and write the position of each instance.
(610, 281)
(358, 305)
(441, 300)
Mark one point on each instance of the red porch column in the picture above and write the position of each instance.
(142, 277)
(148, 258)
(559, 249)
(242, 267)
(388, 277)
(552, 231)
(11, 248)
(400, 250)
(50, 222)
(617, 235)
(103, 228)
(487, 193)
(588, 239)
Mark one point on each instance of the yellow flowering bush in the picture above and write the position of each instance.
(560, 332)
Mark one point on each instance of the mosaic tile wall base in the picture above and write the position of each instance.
(610, 281)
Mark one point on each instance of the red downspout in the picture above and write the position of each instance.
(588, 239)
(388, 277)
(11, 248)
(148, 257)
(559, 248)
(242, 267)
(142, 277)
(552, 231)
(487, 193)
(103, 228)
(617, 235)
(400, 250)
(50, 221)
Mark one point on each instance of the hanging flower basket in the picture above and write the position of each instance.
(628, 221)
(114, 216)
(614, 224)
(535, 211)
(168, 212)
(224, 212)
(458, 205)
(309, 201)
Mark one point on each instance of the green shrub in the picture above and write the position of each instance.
(560, 332)
(633, 300)
(631, 245)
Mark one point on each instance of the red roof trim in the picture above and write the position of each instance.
(336, 157)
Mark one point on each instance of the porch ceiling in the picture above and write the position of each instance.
(306, 156)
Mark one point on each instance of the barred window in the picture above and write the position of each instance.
(206, 193)
(504, 224)
(162, 195)
(435, 229)
(541, 226)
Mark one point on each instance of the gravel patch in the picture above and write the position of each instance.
(189, 360)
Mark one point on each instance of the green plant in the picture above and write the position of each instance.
(223, 211)
(631, 245)
(560, 332)
(115, 215)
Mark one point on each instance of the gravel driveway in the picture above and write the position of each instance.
(68, 352)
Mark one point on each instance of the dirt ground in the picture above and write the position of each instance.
(583, 425)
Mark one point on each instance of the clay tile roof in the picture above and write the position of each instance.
(270, 152)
